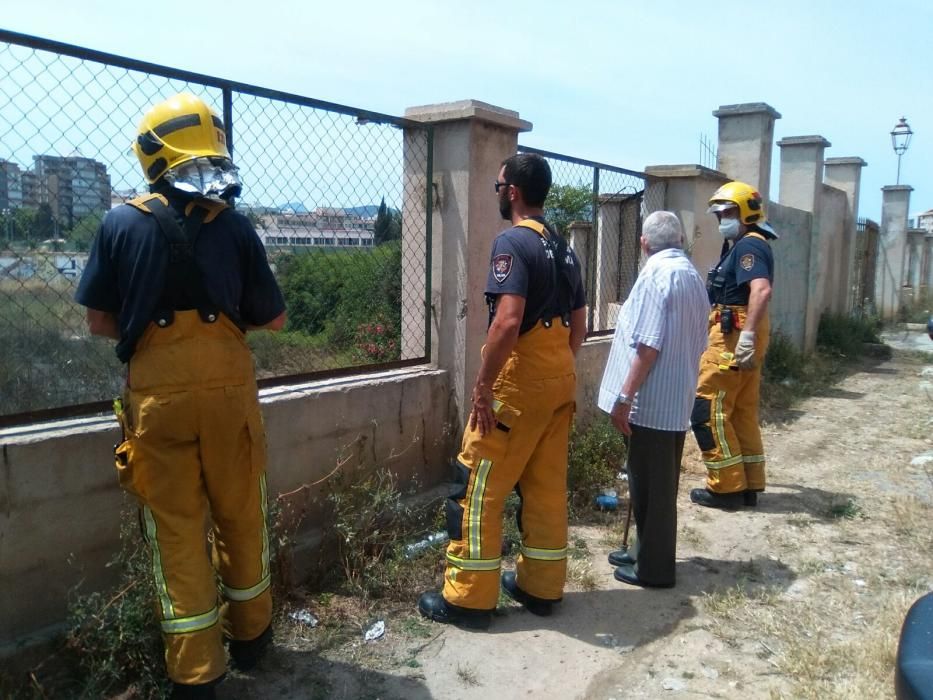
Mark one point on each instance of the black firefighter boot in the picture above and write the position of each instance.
(711, 499)
(247, 653)
(200, 691)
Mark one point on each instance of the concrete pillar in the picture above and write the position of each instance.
(802, 188)
(687, 189)
(471, 139)
(746, 135)
(892, 249)
(846, 175)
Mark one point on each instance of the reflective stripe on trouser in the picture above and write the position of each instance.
(195, 449)
(534, 405)
(725, 412)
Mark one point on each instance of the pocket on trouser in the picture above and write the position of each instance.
(257, 439)
(126, 468)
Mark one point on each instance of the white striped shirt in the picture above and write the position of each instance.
(668, 311)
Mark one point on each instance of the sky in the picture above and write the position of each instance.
(627, 83)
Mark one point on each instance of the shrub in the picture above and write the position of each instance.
(114, 634)
(843, 335)
(597, 455)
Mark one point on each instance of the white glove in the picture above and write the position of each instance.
(745, 350)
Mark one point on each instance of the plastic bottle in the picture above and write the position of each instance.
(414, 549)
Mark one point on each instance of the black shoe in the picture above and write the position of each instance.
(626, 574)
(201, 691)
(620, 557)
(750, 498)
(533, 604)
(247, 653)
(433, 606)
(710, 499)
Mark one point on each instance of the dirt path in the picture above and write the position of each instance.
(801, 597)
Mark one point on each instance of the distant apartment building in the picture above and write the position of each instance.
(73, 186)
(11, 185)
(925, 221)
(325, 226)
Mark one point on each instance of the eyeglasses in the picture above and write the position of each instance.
(502, 184)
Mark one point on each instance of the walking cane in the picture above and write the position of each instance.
(628, 521)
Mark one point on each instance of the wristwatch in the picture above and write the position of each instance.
(624, 398)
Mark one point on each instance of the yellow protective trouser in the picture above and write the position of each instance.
(725, 413)
(195, 448)
(534, 405)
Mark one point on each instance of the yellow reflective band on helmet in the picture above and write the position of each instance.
(753, 459)
(265, 527)
(474, 564)
(241, 595)
(193, 623)
(474, 522)
(719, 420)
(723, 463)
(168, 610)
(544, 554)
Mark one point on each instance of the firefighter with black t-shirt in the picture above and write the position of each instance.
(177, 277)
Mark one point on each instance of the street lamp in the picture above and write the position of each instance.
(900, 140)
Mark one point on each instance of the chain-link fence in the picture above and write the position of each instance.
(599, 208)
(339, 197)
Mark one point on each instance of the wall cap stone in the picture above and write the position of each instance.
(467, 109)
(746, 108)
(845, 160)
(686, 170)
(804, 141)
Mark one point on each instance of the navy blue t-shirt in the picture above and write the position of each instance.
(522, 264)
(125, 273)
(750, 258)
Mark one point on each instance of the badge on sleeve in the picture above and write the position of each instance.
(747, 262)
(501, 267)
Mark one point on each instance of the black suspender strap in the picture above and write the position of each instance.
(184, 283)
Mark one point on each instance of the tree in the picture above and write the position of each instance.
(568, 203)
(84, 231)
(388, 225)
(43, 227)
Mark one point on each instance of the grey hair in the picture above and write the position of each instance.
(662, 230)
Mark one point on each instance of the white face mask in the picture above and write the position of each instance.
(729, 228)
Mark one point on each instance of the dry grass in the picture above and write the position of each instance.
(839, 640)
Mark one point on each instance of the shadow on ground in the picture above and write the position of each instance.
(288, 674)
(629, 616)
(808, 500)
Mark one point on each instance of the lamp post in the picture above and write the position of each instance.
(900, 140)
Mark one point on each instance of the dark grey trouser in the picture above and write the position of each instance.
(653, 475)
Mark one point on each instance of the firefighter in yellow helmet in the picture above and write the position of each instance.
(177, 277)
(725, 412)
(523, 403)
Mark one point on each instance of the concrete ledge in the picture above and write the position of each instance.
(897, 188)
(845, 160)
(804, 141)
(668, 171)
(468, 109)
(60, 500)
(746, 108)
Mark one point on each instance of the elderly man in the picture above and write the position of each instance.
(648, 390)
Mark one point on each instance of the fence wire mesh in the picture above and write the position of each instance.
(337, 195)
(599, 208)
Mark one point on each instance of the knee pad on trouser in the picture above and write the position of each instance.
(715, 436)
(474, 523)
